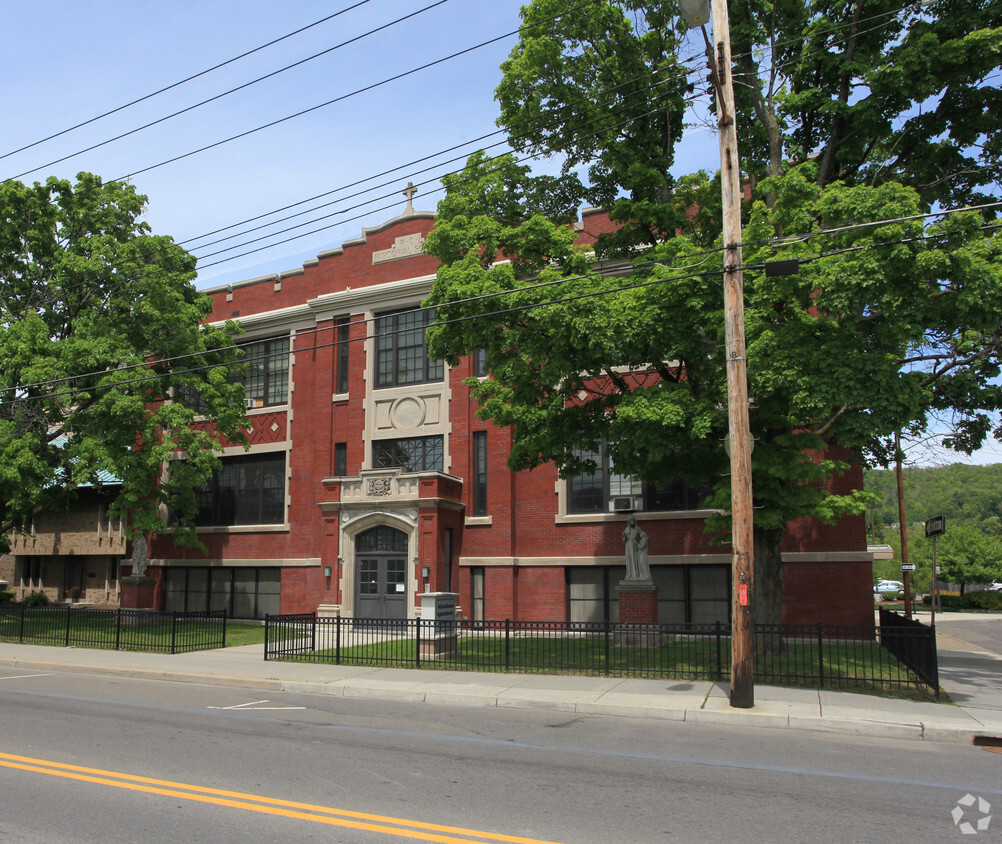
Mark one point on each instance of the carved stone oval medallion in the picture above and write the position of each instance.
(408, 412)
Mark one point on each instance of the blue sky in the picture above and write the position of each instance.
(73, 61)
(67, 62)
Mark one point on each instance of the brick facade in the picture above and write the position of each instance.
(531, 559)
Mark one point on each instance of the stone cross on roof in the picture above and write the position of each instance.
(409, 192)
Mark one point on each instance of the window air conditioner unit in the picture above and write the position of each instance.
(249, 403)
(626, 503)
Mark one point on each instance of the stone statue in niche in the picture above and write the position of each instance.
(636, 541)
(139, 559)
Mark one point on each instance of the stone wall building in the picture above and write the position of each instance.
(72, 556)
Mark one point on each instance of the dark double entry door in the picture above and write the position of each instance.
(381, 573)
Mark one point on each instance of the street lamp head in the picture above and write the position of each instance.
(695, 12)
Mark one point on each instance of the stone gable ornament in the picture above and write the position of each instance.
(379, 486)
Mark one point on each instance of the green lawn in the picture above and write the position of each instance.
(244, 633)
(861, 666)
(92, 629)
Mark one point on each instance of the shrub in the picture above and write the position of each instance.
(972, 600)
(35, 599)
(986, 600)
(6, 596)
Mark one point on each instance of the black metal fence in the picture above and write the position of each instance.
(118, 629)
(913, 643)
(818, 656)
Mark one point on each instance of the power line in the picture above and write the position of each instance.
(343, 211)
(487, 296)
(316, 346)
(794, 239)
(554, 117)
(180, 82)
(363, 90)
(360, 193)
(226, 94)
(321, 106)
(290, 117)
(289, 207)
(392, 193)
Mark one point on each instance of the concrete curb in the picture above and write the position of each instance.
(145, 674)
(790, 709)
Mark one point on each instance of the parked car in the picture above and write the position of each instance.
(995, 587)
(882, 587)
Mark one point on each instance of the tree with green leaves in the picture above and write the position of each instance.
(100, 329)
(889, 316)
(966, 555)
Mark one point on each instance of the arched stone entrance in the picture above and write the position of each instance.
(381, 573)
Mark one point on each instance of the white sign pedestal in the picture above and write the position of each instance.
(438, 624)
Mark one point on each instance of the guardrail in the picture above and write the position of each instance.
(118, 629)
(818, 656)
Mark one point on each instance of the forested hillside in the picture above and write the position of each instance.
(962, 493)
(969, 496)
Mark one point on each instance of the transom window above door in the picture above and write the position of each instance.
(382, 538)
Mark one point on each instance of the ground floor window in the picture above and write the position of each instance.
(606, 490)
(246, 490)
(244, 592)
(686, 594)
(477, 593)
(28, 571)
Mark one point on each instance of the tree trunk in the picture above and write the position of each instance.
(768, 608)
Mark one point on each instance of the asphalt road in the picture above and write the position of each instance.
(982, 631)
(86, 758)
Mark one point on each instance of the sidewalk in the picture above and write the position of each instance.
(970, 674)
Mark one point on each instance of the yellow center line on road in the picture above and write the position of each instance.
(267, 805)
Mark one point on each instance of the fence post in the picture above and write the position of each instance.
(821, 657)
(507, 644)
(337, 644)
(267, 626)
(720, 656)
(313, 633)
(417, 644)
(934, 660)
(608, 630)
(173, 632)
(20, 629)
(68, 626)
(118, 629)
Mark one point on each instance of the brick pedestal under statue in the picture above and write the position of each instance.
(638, 605)
(137, 592)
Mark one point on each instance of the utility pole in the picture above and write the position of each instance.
(902, 524)
(739, 432)
(742, 533)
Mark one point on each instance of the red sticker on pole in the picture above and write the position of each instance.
(743, 594)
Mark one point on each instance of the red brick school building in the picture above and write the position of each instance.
(370, 480)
